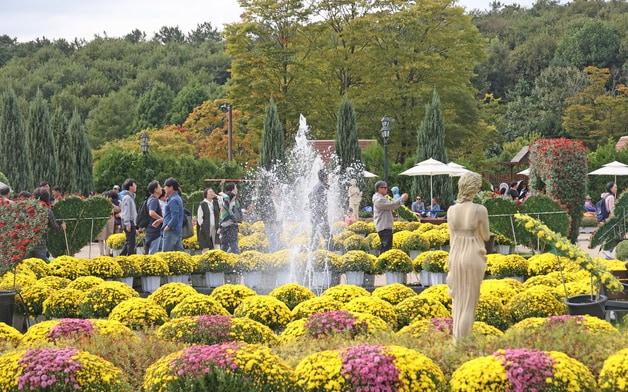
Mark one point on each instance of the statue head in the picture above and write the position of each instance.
(395, 190)
(468, 186)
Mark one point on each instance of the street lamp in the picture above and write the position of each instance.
(385, 132)
(144, 142)
(226, 107)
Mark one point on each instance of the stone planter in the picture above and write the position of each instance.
(583, 305)
(150, 283)
(369, 280)
(283, 277)
(321, 279)
(503, 249)
(424, 278)
(355, 277)
(414, 254)
(116, 252)
(185, 279)
(139, 250)
(128, 281)
(269, 279)
(198, 280)
(395, 277)
(214, 279)
(437, 278)
(233, 278)
(252, 279)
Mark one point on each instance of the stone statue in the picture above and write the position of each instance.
(355, 196)
(468, 230)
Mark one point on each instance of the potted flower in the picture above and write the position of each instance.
(115, 242)
(130, 269)
(180, 265)
(324, 264)
(191, 244)
(374, 243)
(104, 267)
(281, 264)
(213, 265)
(503, 244)
(152, 268)
(355, 242)
(354, 264)
(435, 264)
(249, 264)
(396, 264)
(510, 266)
(411, 243)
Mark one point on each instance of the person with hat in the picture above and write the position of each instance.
(5, 191)
(382, 214)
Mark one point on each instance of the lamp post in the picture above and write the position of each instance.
(144, 142)
(385, 132)
(226, 107)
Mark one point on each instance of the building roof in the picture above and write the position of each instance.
(328, 147)
(621, 143)
(521, 156)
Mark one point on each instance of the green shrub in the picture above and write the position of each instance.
(500, 224)
(621, 252)
(194, 200)
(540, 203)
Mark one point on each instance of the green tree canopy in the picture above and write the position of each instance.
(41, 141)
(347, 147)
(153, 107)
(272, 138)
(15, 157)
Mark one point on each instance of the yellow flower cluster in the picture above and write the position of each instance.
(569, 374)
(322, 259)
(198, 305)
(38, 333)
(9, 335)
(191, 242)
(292, 294)
(54, 282)
(85, 283)
(394, 260)
(248, 261)
(438, 292)
(321, 371)
(416, 371)
(278, 260)
(589, 324)
(97, 374)
(151, 265)
(216, 260)
(545, 263)
(116, 241)
(294, 330)
(104, 267)
(230, 296)
(64, 303)
(409, 240)
(266, 310)
(345, 292)
(418, 307)
(355, 242)
(179, 263)
(187, 330)
(256, 242)
(361, 227)
(130, 265)
(32, 298)
(139, 313)
(37, 266)
(374, 242)
(99, 301)
(355, 260)
(68, 267)
(315, 305)
(374, 306)
(503, 289)
(393, 293)
(432, 261)
(434, 236)
(20, 281)
(534, 302)
(480, 374)
(492, 311)
(171, 294)
(614, 374)
(114, 330)
(501, 266)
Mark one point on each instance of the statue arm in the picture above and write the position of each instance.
(483, 228)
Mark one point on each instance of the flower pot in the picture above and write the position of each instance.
(424, 278)
(139, 250)
(7, 306)
(116, 252)
(283, 277)
(214, 279)
(395, 277)
(233, 278)
(437, 278)
(268, 281)
(321, 279)
(128, 281)
(150, 283)
(252, 279)
(355, 277)
(583, 305)
(503, 249)
(369, 280)
(198, 280)
(179, 279)
(445, 248)
(414, 254)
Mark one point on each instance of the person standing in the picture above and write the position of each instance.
(609, 198)
(40, 250)
(173, 218)
(382, 214)
(208, 220)
(230, 217)
(468, 232)
(128, 216)
(152, 232)
(318, 207)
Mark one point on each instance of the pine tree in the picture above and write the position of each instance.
(59, 125)
(153, 107)
(14, 152)
(431, 144)
(83, 167)
(272, 138)
(347, 147)
(67, 160)
(41, 141)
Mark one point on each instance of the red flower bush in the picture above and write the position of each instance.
(22, 226)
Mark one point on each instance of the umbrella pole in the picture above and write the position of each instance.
(431, 190)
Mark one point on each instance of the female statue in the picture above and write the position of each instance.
(468, 230)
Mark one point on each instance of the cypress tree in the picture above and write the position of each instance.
(431, 144)
(41, 141)
(59, 124)
(272, 138)
(14, 152)
(347, 147)
(83, 167)
(67, 157)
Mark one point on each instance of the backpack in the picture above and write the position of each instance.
(143, 219)
(187, 230)
(601, 213)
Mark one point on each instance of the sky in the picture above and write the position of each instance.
(29, 19)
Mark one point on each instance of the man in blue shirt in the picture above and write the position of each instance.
(153, 230)
(173, 217)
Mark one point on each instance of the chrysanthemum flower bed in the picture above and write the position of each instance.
(216, 329)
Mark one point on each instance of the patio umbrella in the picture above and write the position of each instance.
(368, 174)
(525, 172)
(457, 170)
(611, 169)
(430, 167)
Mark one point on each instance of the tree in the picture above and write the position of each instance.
(272, 138)
(112, 118)
(59, 124)
(136, 36)
(15, 157)
(347, 147)
(167, 35)
(204, 32)
(83, 167)
(153, 107)
(593, 43)
(41, 141)
(431, 144)
(187, 99)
